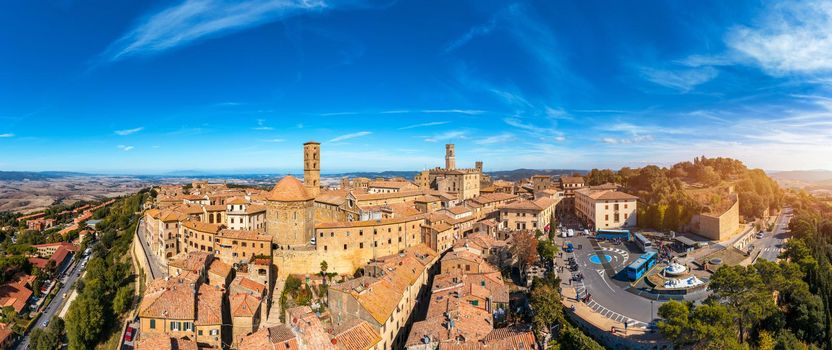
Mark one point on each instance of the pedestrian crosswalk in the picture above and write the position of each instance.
(603, 311)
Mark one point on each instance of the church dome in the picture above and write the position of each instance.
(289, 189)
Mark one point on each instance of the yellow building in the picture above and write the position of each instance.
(605, 207)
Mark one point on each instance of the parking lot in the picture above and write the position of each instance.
(594, 269)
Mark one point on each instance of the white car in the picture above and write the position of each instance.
(759, 235)
(570, 232)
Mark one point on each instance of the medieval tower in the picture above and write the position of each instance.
(312, 167)
(450, 159)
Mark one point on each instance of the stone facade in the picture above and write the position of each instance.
(719, 228)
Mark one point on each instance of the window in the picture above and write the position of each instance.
(244, 244)
(607, 217)
(152, 324)
(345, 247)
(322, 234)
(214, 332)
(324, 248)
(199, 333)
(482, 283)
(360, 232)
(475, 302)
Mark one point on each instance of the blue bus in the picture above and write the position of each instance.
(642, 242)
(623, 235)
(569, 247)
(640, 266)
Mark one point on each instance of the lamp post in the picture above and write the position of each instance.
(651, 311)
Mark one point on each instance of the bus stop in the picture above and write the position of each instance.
(684, 244)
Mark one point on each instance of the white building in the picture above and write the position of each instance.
(604, 207)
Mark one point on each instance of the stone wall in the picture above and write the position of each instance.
(719, 228)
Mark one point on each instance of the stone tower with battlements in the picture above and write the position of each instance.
(312, 167)
(450, 157)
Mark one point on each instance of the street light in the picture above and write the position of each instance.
(651, 311)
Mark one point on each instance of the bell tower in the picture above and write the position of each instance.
(450, 159)
(312, 167)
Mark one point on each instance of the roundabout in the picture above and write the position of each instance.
(597, 261)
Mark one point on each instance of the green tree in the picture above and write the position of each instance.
(123, 299)
(675, 323)
(743, 291)
(547, 250)
(85, 323)
(324, 267)
(765, 341)
(573, 339)
(546, 312)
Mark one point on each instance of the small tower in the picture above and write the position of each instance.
(450, 160)
(478, 165)
(312, 167)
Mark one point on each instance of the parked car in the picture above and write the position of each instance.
(128, 336)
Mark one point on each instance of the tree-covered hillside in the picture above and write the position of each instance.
(671, 196)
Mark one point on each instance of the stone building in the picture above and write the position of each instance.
(465, 183)
(604, 207)
(289, 213)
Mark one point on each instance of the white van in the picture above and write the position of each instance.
(571, 232)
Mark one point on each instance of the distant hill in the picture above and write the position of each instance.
(803, 175)
(517, 174)
(37, 175)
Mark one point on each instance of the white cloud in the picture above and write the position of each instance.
(126, 132)
(680, 79)
(790, 37)
(472, 33)
(6, 135)
(423, 125)
(124, 148)
(194, 20)
(448, 135)
(456, 111)
(261, 125)
(274, 140)
(560, 138)
(350, 136)
(500, 138)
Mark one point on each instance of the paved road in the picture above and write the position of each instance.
(609, 296)
(772, 243)
(73, 273)
(157, 268)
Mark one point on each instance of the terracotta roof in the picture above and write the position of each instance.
(237, 200)
(391, 184)
(202, 226)
(244, 305)
(493, 197)
(606, 194)
(367, 223)
(192, 261)
(38, 262)
(218, 207)
(572, 179)
(269, 338)
(245, 234)
(458, 210)
(160, 341)
(209, 306)
(289, 189)
(15, 294)
(219, 268)
(356, 334)
(391, 195)
(244, 284)
(174, 300)
(253, 209)
(521, 205)
(544, 203)
(427, 199)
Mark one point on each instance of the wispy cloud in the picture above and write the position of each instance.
(448, 135)
(350, 136)
(261, 125)
(124, 148)
(790, 37)
(126, 132)
(275, 140)
(472, 33)
(6, 135)
(500, 138)
(680, 79)
(194, 20)
(423, 125)
(454, 111)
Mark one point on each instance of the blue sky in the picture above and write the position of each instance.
(150, 86)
